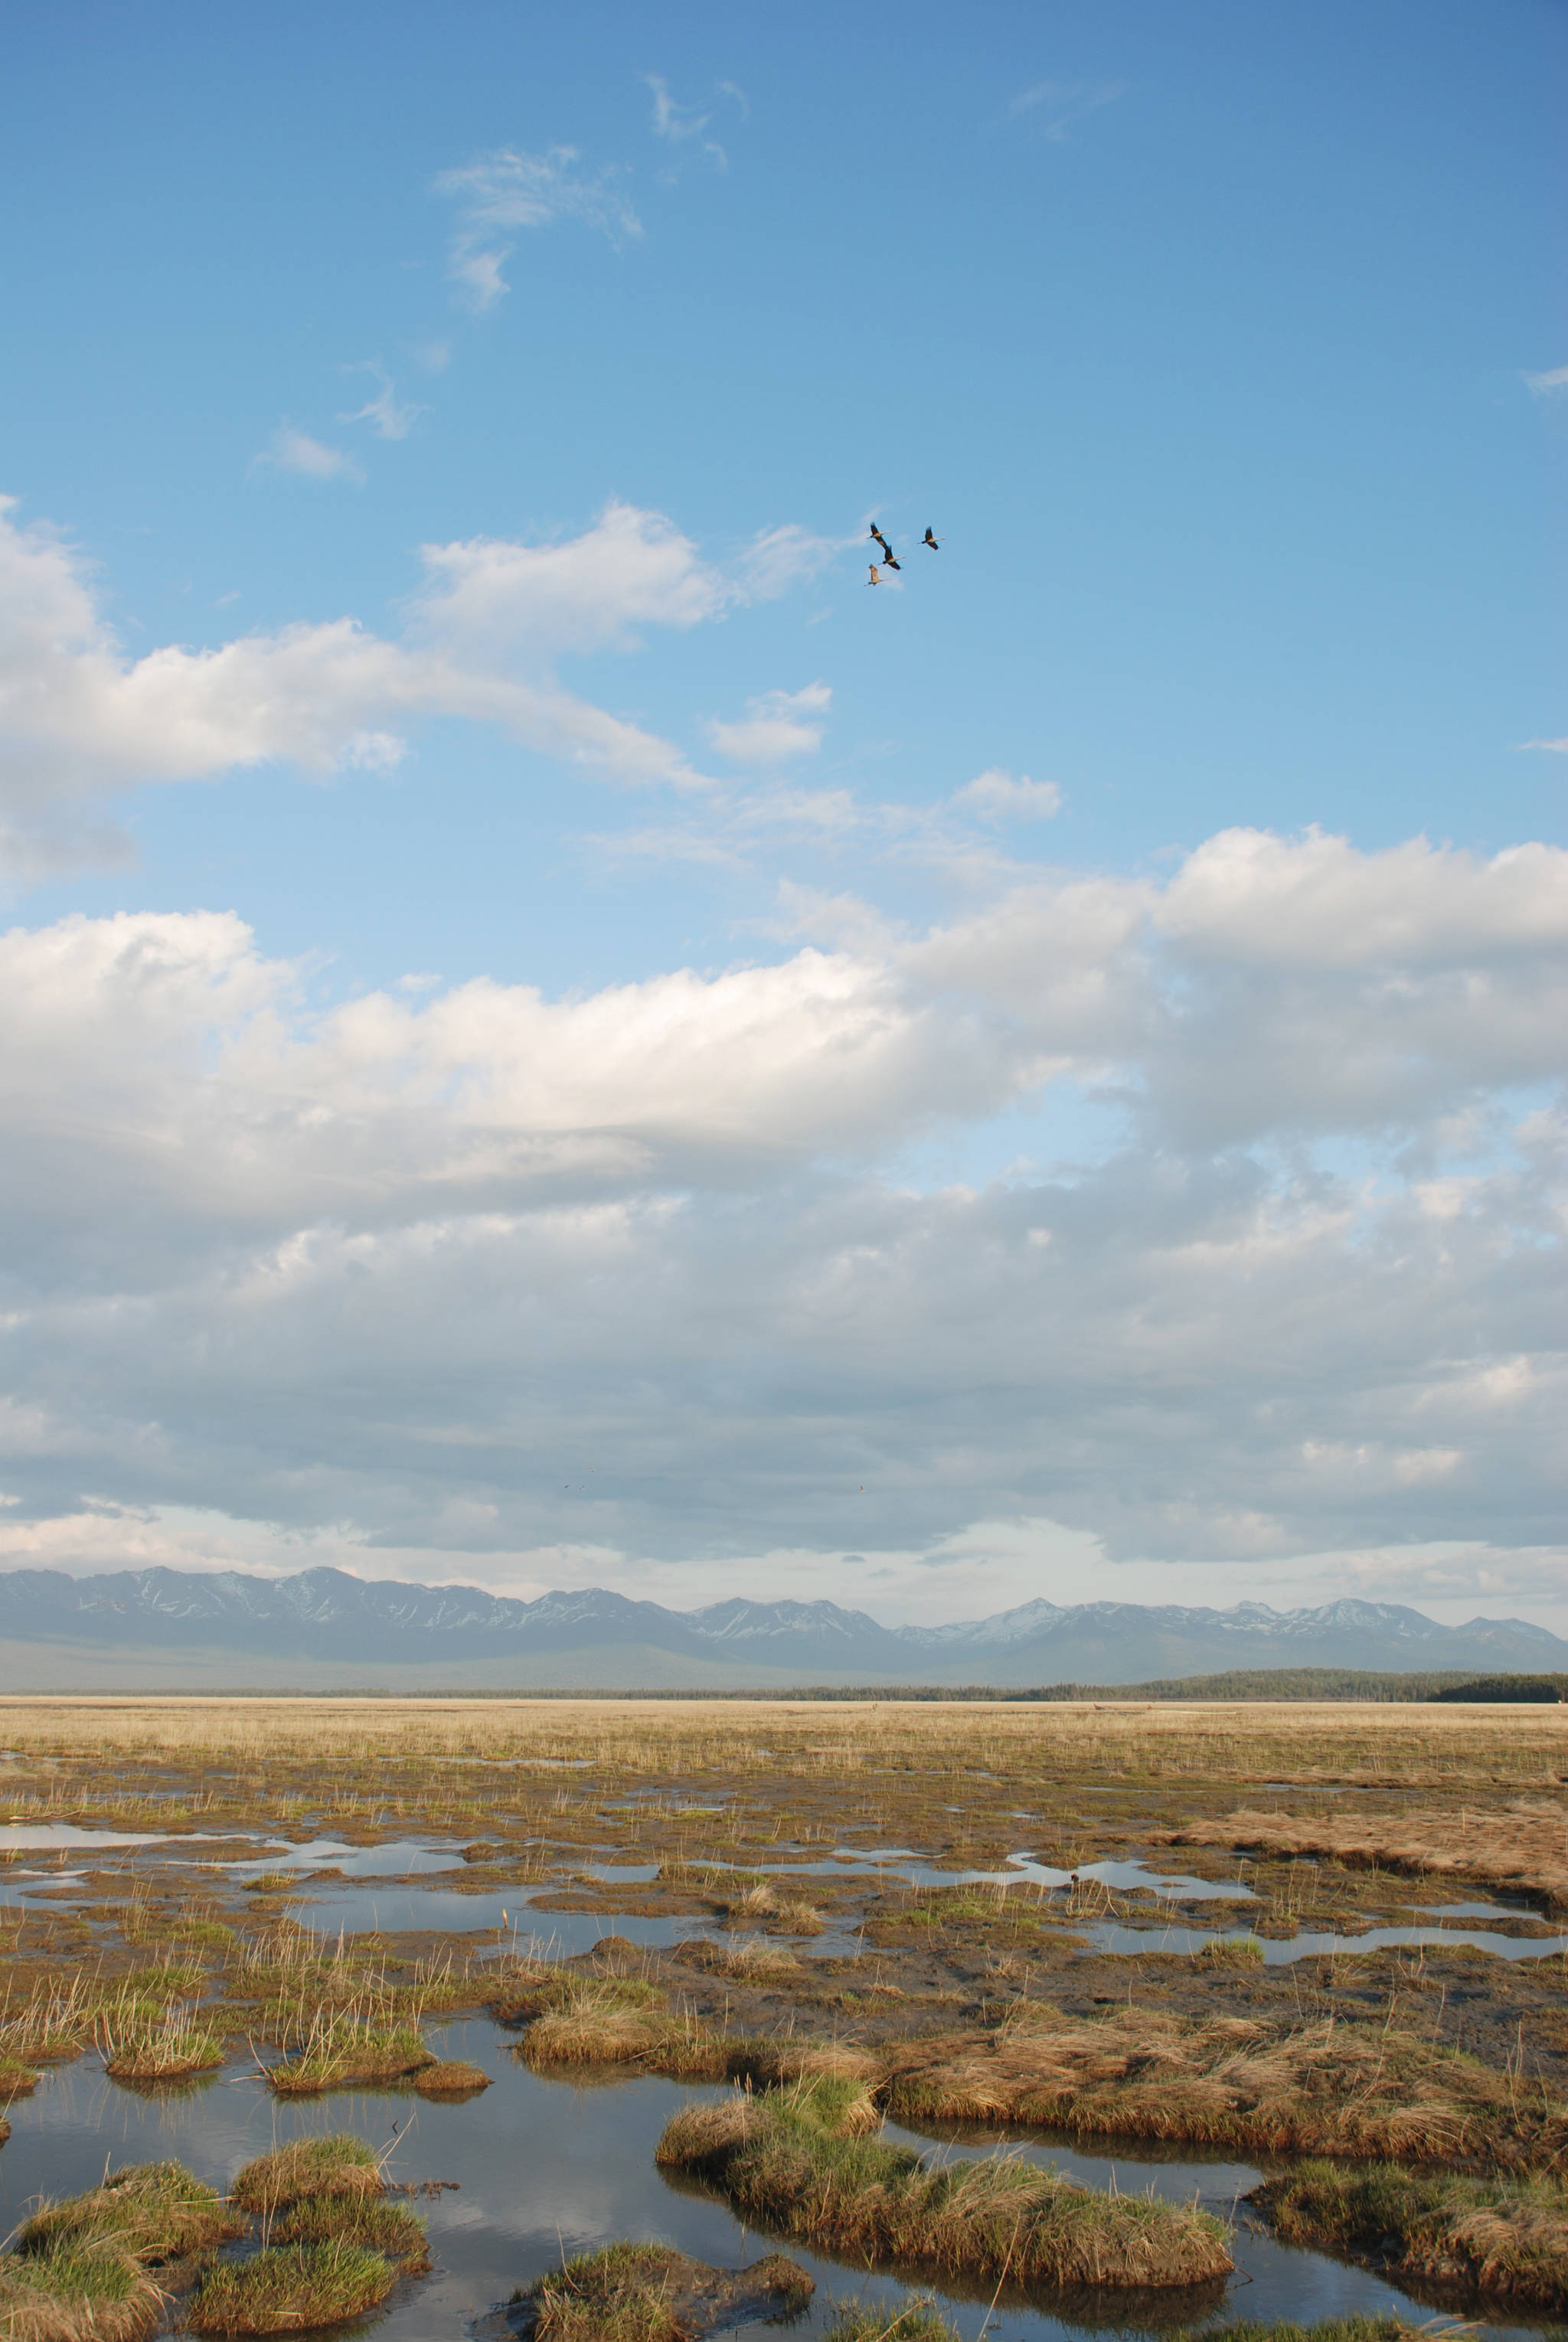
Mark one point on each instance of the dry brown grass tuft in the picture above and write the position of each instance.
(1334, 2088)
(1505, 2237)
(784, 2160)
(1525, 1845)
(450, 2078)
(750, 1959)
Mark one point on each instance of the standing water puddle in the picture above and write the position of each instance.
(1108, 1935)
(546, 2167)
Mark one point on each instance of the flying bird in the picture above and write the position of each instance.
(875, 577)
(887, 548)
(889, 563)
(929, 539)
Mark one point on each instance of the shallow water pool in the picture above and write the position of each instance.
(546, 2167)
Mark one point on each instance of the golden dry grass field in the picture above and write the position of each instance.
(1212, 1944)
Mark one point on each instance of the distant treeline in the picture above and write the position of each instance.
(1528, 1688)
(1237, 1684)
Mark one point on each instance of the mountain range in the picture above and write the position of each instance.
(175, 1629)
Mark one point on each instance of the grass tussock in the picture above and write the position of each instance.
(762, 1903)
(349, 2045)
(614, 2021)
(83, 2270)
(1507, 2237)
(450, 2078)
(650, 2293)
(157, 2212)
(1231, 1952)
(1328, 2088)
(1333, 2329)
(1522, 1847)
(341, 2166)
(287, 2287)
(781, 2161)
(138, 2044)
(749, 1959)
(909, 2321)
(625, 2021)
(390, 2229)
(93, 2291)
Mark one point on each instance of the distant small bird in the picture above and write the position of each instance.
(929, 539)
(875, 577)
(889, 563)
(887, 548)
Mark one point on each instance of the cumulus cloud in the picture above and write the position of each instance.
(389, 1262)
(995, 795)
(777, 725)
(508, 189)
(482, 634)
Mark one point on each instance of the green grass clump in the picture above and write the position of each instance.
(1333, 2329)
(914, 2321)
(779, 2160)
(651, 2293)
(81, 2290)
(161, 2043)
(619, 2295)
(345, 2045)
(1501, 2236)
(1232, 1952)
(341, 2164)
(368, 2220)
(157, 2212)
(286, 2288)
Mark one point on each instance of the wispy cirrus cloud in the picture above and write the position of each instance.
(778, 558)
(1555, 748)
(1062, 104)
(1556, 378)
(294, 451)
(678, 125)
(388, 416)
(507, 190)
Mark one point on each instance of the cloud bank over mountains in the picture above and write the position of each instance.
(654, 1273)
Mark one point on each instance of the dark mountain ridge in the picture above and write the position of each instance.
(229, 1620)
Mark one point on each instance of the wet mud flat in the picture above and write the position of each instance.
(1031, 1927)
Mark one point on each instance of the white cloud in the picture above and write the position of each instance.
(1063, 104)
(995, 795)
(483, 636)
(777, 726)
(289, 450)
(779, 559)
(676, 123)
(1556, 378)
(506, 190)
(1556, 747)
(367, 1270)
(389, 418)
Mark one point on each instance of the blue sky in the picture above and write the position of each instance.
(499, 397)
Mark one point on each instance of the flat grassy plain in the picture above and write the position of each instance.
(1092, 2010)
